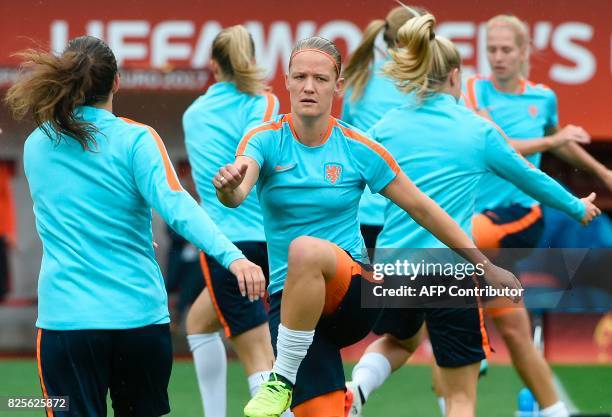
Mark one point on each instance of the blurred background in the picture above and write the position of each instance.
(163, 49)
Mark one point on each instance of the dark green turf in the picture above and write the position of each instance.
(406, 393)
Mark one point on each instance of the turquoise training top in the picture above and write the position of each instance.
(446, 149)
(379, 96)
(526, 115)
(213, 125)
(93, 215)
(313, 190)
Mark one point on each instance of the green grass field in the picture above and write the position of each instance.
(406, 393)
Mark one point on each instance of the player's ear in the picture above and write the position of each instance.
(339, 85)
(455, 77)
(116, 83)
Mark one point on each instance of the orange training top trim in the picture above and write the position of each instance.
(269, 107)
(245, 140)
(472, 102)
(384, 154)
(171, 177)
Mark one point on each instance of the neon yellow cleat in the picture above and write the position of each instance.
(272, 399)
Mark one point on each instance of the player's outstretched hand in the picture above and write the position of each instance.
(251, 279)
(229, 177)
(591, 210)
(570, 133)
(500, 278)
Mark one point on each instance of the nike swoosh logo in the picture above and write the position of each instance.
(281, 168)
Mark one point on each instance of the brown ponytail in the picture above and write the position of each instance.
(50, 87)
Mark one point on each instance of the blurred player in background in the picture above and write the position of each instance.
(368, 95)
(103, 310)
(310, 170)
(426, 137)
(213, 125)
(528, 114)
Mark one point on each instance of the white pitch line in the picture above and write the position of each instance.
(564, 396)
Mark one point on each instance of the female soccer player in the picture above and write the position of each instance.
(102, 312)
(213, 125)
(368, 95)
(310, 170)
(430, 66)
(527, 113)
(426, 139)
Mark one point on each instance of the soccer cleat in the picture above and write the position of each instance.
(272, 399)
(352, 400)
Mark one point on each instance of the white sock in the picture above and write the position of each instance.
(291, 347)
(256, 379)
(556, 410)
(370, 372)
(210, 362)
(442, 405)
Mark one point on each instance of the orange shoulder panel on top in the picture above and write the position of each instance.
(171, 177)
(543, 86)
(245, 140)
(269, 107)
(381, 151)
(472, 101)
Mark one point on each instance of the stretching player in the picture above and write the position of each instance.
(426, 138)
(310, 170)
(103, 309)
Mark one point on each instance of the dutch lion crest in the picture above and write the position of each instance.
(333, 172)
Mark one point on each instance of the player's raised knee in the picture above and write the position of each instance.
(305, 250)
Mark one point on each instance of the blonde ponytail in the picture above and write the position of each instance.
(234, 51)
(423, 62)
(357, 72)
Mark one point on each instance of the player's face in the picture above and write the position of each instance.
(312, 83)
(505, 56)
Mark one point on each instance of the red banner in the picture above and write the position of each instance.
(166, 45)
